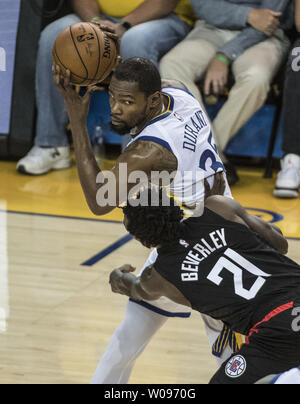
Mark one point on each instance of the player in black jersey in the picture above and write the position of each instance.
(226, 264)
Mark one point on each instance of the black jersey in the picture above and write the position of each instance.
(227, 271)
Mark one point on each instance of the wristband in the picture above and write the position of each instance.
(222, 59)
(126, 25)
(95, 19)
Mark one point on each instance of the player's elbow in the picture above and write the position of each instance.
(96, 211)
(279, 240)
(285, 246)
(99, 210)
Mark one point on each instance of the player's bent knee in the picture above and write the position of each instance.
(257, 78)
(171, 68)
(50, 33)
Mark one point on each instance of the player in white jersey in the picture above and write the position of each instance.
(290, 377)
(170, 133)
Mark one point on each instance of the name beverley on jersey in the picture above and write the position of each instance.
(192, 130)
(191, 263)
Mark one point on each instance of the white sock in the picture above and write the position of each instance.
(126, 344)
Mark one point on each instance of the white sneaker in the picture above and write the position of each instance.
(288, 180)
(42, 160)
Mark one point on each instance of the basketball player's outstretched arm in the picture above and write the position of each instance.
(105, 191)
(233, 211)
(149, 286)
(122, 281)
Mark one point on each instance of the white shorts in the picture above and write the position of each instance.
(290, 377)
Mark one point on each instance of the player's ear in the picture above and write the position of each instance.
(154, 100)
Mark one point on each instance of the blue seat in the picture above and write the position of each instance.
(253, 138)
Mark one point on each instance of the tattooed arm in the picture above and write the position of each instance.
(134, 167)
(138, 164)
(104, 191)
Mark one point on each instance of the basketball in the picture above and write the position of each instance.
(86, 51)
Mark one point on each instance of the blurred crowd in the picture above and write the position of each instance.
(239, 45)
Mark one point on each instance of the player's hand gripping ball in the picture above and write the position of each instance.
(89, 52)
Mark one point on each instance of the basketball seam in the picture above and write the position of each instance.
(99, 52)
(87, 73)
(74, 74)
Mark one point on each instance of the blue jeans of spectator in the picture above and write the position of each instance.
(291, 103)
(150, 40)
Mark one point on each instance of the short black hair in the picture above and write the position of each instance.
(155, 225)
(141, 71)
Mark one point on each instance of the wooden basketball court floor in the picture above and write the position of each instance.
(57, 312)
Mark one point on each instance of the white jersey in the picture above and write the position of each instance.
(184, 129)
(290, 377)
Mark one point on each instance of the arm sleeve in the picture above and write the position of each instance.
(250, 36)
(222, 13)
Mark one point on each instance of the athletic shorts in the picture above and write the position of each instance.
(273, 347)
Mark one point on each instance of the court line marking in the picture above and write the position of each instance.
(277, 217)
(96, 258)
(120, 243)
(107, 251)
(15, 212)
(4, 296)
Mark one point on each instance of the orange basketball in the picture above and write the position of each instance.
(87, 52)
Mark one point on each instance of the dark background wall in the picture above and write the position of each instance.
(34, 16)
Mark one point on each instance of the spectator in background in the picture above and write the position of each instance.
(147, 28)
(246, 36)
(288, 181)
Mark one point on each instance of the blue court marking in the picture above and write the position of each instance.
(109, 250)
(86, 219)
(276, 217)
(160, 311)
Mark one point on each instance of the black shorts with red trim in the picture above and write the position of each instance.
(272, 347)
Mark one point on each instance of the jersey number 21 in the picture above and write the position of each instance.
(236, 265)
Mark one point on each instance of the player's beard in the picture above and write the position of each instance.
(120, 130)
(125, 129)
